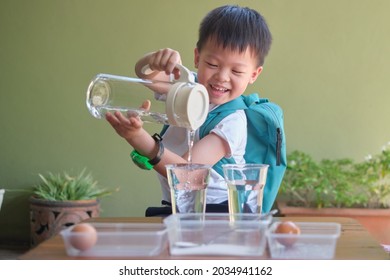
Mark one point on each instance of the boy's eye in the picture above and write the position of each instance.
(237, 72)
(212, 65)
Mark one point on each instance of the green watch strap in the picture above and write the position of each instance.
(144, 162)
(140, 160)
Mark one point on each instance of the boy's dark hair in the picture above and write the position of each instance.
(236, 28)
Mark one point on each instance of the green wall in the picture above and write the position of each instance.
(326, 69)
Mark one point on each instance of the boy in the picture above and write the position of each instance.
(229, 55)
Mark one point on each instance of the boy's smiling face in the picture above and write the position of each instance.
(224, 72)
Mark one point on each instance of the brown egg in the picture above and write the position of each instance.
(83, 236)
(290, 230)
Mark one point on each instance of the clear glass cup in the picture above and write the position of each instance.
(245, 187)
(188, 184)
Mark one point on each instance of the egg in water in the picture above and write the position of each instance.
(83, 236)
(290, 232)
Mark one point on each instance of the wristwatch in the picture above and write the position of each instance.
(144, 162)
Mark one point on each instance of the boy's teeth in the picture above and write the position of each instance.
(218, 88)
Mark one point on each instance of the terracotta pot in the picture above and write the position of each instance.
(376, 221)
(48, 218)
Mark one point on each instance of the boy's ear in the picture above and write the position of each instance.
(255, 74)
(196, 57)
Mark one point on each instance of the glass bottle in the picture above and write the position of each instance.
(185, 103)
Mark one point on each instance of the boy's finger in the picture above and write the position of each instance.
(146, 105)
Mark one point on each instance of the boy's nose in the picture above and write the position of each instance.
(223, 75)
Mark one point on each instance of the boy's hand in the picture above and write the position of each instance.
(127, 127)
(165, 60)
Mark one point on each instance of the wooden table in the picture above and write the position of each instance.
(355, 243)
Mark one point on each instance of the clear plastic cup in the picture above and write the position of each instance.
(188, 184)
(245, 187)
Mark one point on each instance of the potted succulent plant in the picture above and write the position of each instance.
(61, 200)
(339, 187)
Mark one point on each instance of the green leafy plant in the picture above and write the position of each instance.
(337, 183)
(63, 187)
(376, 170)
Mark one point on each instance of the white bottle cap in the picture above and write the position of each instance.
(187, 105)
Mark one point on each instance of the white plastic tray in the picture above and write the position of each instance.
(121, 240)
(217, 234)
(316, 241)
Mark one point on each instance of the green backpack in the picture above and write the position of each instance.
(266, 142)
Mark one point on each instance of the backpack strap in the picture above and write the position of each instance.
(164, 129)
(215, 117)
